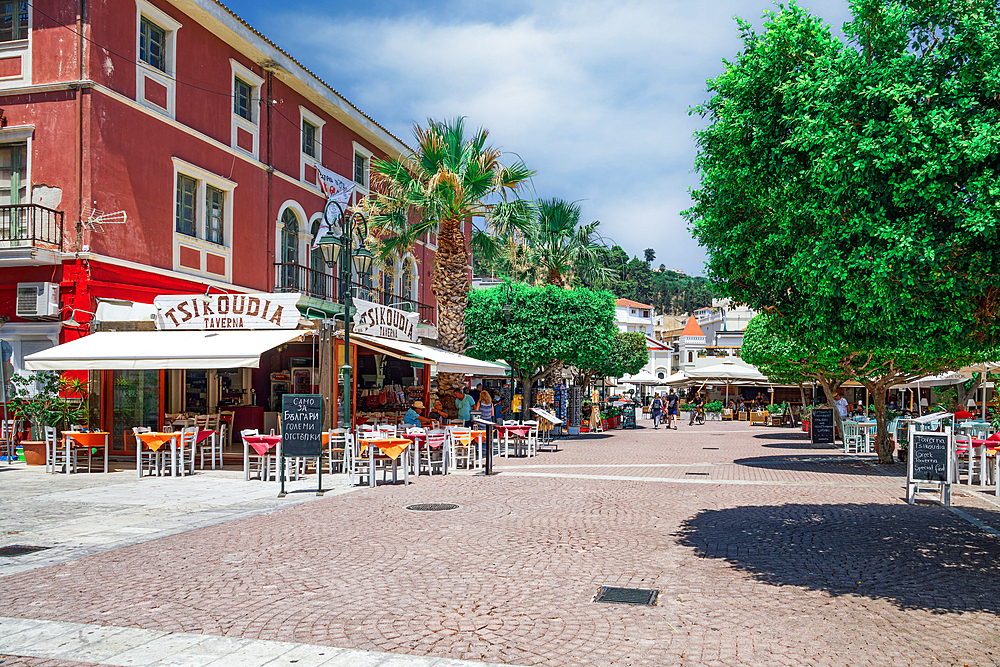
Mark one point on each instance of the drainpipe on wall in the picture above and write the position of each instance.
(81, 7)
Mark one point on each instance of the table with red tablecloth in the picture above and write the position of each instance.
(262, 444)
(990, 447)
(421, 442)
(519, 432)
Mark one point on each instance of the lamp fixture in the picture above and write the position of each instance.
(924, 403)
(971, 403)
(71, 322)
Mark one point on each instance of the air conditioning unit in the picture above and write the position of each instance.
(38, 300)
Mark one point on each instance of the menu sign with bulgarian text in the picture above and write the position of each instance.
(302, 425)
(214, 312)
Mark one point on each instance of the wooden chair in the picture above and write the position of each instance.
(254, 460)
(727, 414)
(758, 417)
(153, 461)
(8, 446)
(187, 447)
(852, 437)
(337, 450)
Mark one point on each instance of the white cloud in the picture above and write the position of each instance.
(592, 95)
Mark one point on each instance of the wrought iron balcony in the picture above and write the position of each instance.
(322, 285)
(30, 226)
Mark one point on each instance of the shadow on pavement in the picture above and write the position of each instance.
(783, 435)
(827, 461)
(917, 557)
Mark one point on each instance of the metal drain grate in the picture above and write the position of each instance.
(20, 550)
(641, 596)
(696, 473)
(709, 447)
(432, 507)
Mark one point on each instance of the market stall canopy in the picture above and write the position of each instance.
(678, 378)
(155, 350)
(939, 380)
(727, 372)
(642, 377)
(446, 362)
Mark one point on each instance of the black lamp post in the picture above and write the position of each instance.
(342, 237)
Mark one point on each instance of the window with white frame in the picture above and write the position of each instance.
(362, 166)
(311, 149)
(156, 44)
(15, 43)
(13, 20)
(14, 182)
(245, 130)
(203, 221)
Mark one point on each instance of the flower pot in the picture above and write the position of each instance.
(805, 425)
(34, 452)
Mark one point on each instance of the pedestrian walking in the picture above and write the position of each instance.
(656, 408)
(673, 404)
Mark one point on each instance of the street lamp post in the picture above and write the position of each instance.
(341, 237)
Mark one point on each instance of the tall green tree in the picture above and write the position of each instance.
(540, 328)
(450, 178)
(556, 249)
(850, 187)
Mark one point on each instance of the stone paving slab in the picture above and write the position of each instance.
(777, 571)
(81, 644)
(59, 511)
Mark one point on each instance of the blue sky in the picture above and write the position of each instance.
(592, 94)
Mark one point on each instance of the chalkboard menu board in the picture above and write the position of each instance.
(302, 425)
(628, 416)
(821, 426)
(929, 457)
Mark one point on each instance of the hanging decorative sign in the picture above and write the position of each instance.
(227, 311)
(375, 319)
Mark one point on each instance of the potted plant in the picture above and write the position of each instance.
(685, 411)
(46, 398)
(713, 410)
(806, 411)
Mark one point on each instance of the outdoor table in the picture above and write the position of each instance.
(519, 430)
(261, 444)
(154, 441)
(991, 447)
(867, 430)
(85, 440)
(420, 440)
(392, 448)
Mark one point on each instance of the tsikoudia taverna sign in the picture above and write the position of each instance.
(227, 311)
(375, 319)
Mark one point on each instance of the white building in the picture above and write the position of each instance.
(632, 317)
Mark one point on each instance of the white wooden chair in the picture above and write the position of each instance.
(187, 447)
(852, 437)
(462, 447)
(337, 450)
(213, 444)
(437, 452)
(55, 455)
(359, 465)
(146, 458)
(8, 448)
(253, 461)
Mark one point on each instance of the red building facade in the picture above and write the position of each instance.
(179, 117)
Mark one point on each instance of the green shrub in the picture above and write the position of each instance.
(687, 407)
(714, 406)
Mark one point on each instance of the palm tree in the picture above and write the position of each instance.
(557, 249)
(448, 179)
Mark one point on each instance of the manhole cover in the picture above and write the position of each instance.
(20, 550)
(696, 473)
(627, 595)
(432, 507)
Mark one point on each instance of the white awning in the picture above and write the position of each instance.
(446, 362)
(155, 350)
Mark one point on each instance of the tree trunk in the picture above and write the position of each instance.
(451, 289)
(883, 442)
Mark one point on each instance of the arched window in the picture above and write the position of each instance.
(406, 282)
(690, 357)
(319, 281)
(388, 283)
(289, 249)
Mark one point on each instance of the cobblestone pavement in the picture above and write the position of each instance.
(777, 554)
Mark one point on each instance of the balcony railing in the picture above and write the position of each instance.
(30, 225)
(319, 284)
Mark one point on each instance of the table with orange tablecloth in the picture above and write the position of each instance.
(154, 440)
(84, 440)
(393, 448)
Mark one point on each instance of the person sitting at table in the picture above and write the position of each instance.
(438, 414)
(414, 418)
